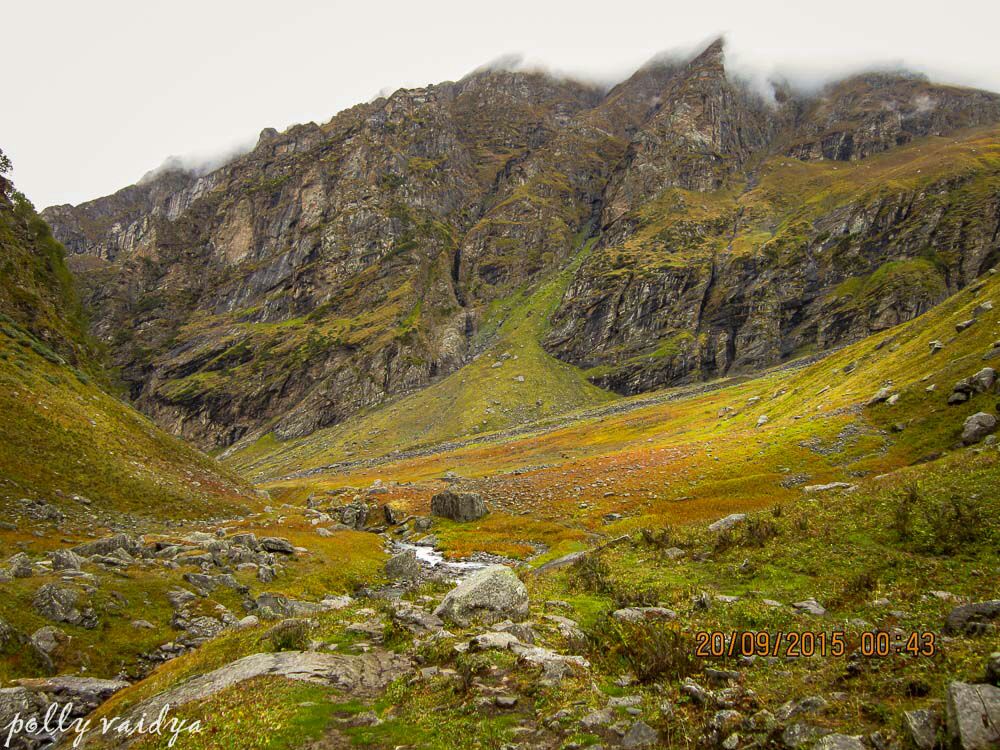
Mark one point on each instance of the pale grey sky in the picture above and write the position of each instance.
(96, 93)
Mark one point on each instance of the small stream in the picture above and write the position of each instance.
(435, 561)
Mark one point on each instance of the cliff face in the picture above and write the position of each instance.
(336, 265)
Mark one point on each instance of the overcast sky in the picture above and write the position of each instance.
(96, 93)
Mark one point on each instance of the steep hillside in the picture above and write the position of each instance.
(805, 257)
(36, 288)
(70, 449)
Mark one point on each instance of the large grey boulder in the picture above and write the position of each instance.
(978, 426)
(277, 544)
(974, 716)
(360, 676)
(644, 614)
(48, 638)
(640, 734)
(983, 380)
(492, 594)
(108, 545)
(404, 566)
(458, 506)
(839, 742)
(62, 604)
(65, 559)
(19, 566)
(976, 618)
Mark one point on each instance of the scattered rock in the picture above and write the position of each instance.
(360, 676)
(880, 397)
(640, 734)
(814, 488)
(643, 614)
(993, 669)
(47, 639)
(108, 546)
(61, 604)
(839, 742)
(277, 544)
(19, 566)
(810, 606)
(65, 559)
(965, 324)
(85, 693)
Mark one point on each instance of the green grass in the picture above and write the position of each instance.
(478, 399)
(64, 436)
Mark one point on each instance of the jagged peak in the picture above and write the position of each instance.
(713, 56)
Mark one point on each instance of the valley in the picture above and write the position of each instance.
(515, 412)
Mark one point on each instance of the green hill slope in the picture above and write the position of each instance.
(64, 437)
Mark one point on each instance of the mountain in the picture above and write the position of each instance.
(338, 267)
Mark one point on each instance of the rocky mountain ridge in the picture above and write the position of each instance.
(334, 266)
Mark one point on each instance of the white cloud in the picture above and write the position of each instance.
(102, 92)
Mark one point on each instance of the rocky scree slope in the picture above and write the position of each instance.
(336, 265)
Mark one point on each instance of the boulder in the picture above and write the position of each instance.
(922, 726)
(880, 397)
(993, 669)
(19, 701)
(644, 614)
(724, 524)
(491, 594)
(19, 566)
(61, 604)
(249, 541)
(839, 742)
(814, 488)
(458, 506)
(973, 716)
(48, 638)
(978, 426)
(983, 380)
(973, 619)
(810, 606)
(108, 545)
(85, 693)
(640, 734)
(404, 566)
(65, 559)
(277, 544)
